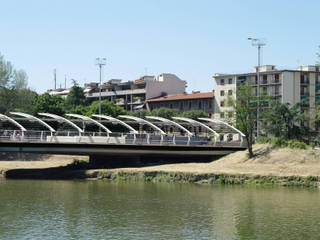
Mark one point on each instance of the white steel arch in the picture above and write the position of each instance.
(189, 120)
(171, 122)
(4, 117)
(132, 130)
(57, 117)
(140, 120)
(85, 118)
(31, 117)
(224, 123)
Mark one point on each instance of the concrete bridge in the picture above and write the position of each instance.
(154, 137)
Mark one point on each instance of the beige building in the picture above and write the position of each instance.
(286, 86)
(133, 94)
(184, 102)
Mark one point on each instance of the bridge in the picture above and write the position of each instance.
(105, 137)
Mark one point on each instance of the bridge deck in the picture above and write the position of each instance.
(116, 149)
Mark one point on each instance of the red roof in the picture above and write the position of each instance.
(182, 97)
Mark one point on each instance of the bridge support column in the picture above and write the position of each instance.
(113, 161)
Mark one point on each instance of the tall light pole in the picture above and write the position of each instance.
(100, 62)
(256, 42)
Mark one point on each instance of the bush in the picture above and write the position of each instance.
(297, 144)
(263, 140)
(279, 142)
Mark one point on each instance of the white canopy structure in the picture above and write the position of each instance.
(6, 118)
(57, 117)
(85, 118)
(172, 123)
(112, 119)
(196, 123)
(142, 121)
(31, 117)
(222, 123)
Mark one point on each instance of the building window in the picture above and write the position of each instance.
(222, 115)
(230, 92)
(222, 104)
(222, 81)
(230, 80)
(171, 105)
(200, 105)
(265, 91)
(265, 79)
(210, 104)
(221, 93)
(190, 105)
(276, 78)
(181, 106)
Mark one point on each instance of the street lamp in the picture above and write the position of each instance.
(256, 42)
(100, 62)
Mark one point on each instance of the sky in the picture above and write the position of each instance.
(192, 39)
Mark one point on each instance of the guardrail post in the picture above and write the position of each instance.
(188, 143)
(161, 140)
(148, 138)
(134, 138)
(174, 139)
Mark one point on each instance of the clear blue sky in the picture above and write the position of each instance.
(193, 39)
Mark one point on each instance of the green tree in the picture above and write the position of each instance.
(11, 83)
(25, 101)
(283, 120)
(194, 114)
(49, 104)
(76, 97)
(245, 107)
(140, 113)
(165, 112)
(107, 108)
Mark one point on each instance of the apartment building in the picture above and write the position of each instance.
(184, 102)
(286, 86)
(133, 94)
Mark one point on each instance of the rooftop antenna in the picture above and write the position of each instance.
(55, 78)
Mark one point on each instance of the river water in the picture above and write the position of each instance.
(103, 210)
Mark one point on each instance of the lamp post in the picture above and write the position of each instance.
(256, 42)
(100, 62)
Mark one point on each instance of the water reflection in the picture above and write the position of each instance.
(103, 210)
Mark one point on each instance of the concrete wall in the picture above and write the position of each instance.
(166, 83)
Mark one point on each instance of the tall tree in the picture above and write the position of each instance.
(284, 120)
(49, 104)
(76, 97)
(245, 107)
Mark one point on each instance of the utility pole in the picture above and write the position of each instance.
(100, 62)
(55, 78)
(256, 42)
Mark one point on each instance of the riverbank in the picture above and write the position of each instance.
(283, 166)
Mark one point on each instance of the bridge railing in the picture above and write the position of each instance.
(144, 138)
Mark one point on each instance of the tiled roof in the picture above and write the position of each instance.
(182, 97)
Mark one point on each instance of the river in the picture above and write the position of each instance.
(105, 210)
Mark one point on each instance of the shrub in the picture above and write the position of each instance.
(279, 142)
(296, 144)
(262, 139)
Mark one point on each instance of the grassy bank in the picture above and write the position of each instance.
(161, 176)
